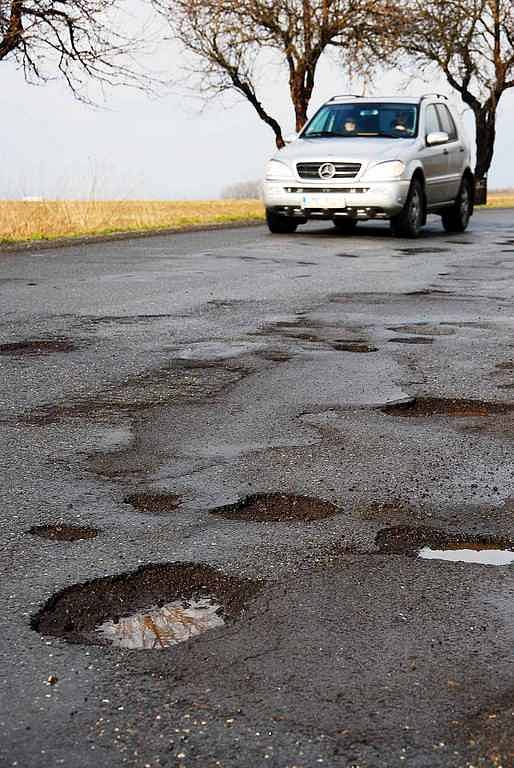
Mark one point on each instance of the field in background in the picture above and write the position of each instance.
(28, 220)
(500, 198)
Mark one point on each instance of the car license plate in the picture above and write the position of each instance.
(320, 200)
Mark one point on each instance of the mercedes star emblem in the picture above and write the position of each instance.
(327, 171)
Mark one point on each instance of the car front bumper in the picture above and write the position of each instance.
(359, 200)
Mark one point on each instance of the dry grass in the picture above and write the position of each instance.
(500, 198)
(21, 220)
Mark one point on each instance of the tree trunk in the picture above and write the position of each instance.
(485, 119)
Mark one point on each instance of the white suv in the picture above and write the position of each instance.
(373, 158)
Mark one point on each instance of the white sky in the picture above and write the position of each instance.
(165, 148)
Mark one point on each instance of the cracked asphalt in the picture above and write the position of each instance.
(212, 366)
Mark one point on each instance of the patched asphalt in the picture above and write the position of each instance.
(192, 415)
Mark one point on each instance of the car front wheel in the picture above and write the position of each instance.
(279, 224)
(456, 219)
(409, 221)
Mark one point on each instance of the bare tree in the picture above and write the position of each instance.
(242, 190)
(78, 39)
(228, 38)
(472, 43)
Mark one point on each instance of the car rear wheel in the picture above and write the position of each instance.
(279, 224)
(345, 226)
(456, 219)
(408, 223)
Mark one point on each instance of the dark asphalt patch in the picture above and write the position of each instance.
(440, 406)
(37, 347)
(76, 612)
(409, 540)
(153, 503)
(275, 507)
(61, 532)
(353, 347)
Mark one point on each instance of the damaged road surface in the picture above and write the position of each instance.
(257, 501)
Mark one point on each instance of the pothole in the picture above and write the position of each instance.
(435, 406)
(157, 606)
(37, 347)
(412, 340)
(416, 329)
(153, 503)
(60, 532)
(274, 507)
(431, 543)
(274, 356)
(353, 347)
(421, 251)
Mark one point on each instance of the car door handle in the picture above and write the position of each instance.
(461, 149)
(445, 152)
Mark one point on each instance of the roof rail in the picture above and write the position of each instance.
(345, 96)
(439, 96)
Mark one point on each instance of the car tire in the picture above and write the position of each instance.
(456, 218)
(345, 226)
(409, 221)
(279, 224)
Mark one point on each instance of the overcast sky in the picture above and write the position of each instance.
(165, 148)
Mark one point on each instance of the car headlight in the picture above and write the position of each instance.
(391, 169)
(275, 170)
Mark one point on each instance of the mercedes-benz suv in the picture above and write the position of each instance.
(373, 158)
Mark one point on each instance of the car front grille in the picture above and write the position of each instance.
(343, 170)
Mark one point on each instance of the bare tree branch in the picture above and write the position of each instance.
(228, 39)
(78, 39)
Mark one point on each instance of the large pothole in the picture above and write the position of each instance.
(440, 406)
(153, 503)
(433, 544)
(274, 507)
(61, 532)
(37, 347)
(157, 606)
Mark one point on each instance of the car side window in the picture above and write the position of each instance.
(431, 120)
(447, 121)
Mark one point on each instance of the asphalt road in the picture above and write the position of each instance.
(373, 373)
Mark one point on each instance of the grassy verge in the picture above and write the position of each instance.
(47, 220)
(502, 198)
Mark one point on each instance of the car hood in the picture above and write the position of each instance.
(366, 151)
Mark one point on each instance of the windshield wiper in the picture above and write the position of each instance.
(317, 134)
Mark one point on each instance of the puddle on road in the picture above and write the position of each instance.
(158, 628)
(431, 543)
(60, 532)
(472, 555)
(155, 606)
(153, 503)
(438, 406)
(37, 347)
(275, 507)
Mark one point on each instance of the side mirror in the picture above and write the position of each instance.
(437, 137)
(290, 137)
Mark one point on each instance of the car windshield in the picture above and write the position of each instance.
(348, 120)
